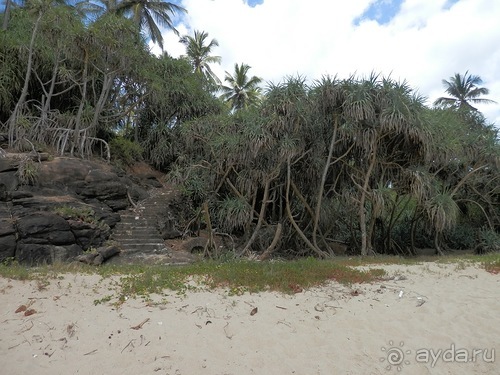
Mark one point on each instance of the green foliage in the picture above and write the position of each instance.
(85, 214)
(489, 241)
(125, 151)
(232, 214)
(463, 236)
(27, 171)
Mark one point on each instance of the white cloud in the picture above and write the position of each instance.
(424, 43)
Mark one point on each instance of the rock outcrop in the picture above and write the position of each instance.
(67, 206)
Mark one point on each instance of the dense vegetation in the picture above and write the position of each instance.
(296, 168)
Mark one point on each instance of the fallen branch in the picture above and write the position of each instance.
(139, 326)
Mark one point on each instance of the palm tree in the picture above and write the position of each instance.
(146, 14)
(241, 92)
(6, 14)
(198, 54)
(149, 14)
(463, 90)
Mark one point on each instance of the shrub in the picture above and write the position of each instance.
(125, 151)
(27, 172)
(489, 241)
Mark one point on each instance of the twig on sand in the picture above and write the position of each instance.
(129, 343)
(139, 326)
(92, 352)
(227, 334)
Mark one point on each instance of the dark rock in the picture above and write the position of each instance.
(98, 260)
(99, 256)
(88, 235)
(7, 246)
(4, 194)
(20, 194)
(8, 164)
(9, 180)
(108, 251)
(64, 171)
(153, 181)
(32, 226)
(6, 226)
(137, 193)
(98, 176)
(37, 254)
(168, 229)
(87, 258)
(117, 204)
(103, 190)
(45, 226)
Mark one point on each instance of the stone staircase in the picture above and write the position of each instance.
(139, 236)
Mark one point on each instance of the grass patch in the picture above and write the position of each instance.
(237, 276)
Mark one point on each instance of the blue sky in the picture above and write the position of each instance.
(382, 11)
(420, 41)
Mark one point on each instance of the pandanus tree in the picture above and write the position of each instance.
(384, 119)
(462, 176)
(36, 9)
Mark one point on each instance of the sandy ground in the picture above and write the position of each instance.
(428, 319)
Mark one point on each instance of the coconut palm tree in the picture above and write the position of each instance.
(147, 14)
(199, 54)
(463, 90)
(6, 14)
(242, 91)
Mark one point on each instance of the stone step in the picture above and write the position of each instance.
(139, 237)
(142, 248)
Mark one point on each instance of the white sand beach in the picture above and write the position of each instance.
(429, 319)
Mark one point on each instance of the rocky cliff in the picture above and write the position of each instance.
(56, 209)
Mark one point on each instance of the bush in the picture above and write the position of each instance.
(489, 241)
(27, 171)
(125, 151)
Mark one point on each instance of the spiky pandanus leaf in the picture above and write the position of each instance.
(443, 211)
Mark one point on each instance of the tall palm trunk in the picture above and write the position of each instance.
(6, 15)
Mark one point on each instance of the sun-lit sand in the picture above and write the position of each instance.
(426, 319)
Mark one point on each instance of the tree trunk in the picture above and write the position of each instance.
(78, 120)
(277, 235)
(6, 14)
(366, 246)
(321, 190)
(436, 243)
(260, 221)
(315, 249)
(24, 93)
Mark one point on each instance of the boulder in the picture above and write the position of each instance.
(38, 254)
(45, 227)
(99, 256)
(8, 245)
(88, 235)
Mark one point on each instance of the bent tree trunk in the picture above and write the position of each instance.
(301, 234)
(366, 245)
(260, 221)
(24, 93)
(321, 189)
